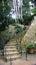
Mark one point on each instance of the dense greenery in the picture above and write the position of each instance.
(31, 46)
(26, 7)
(26, 20)
(4, 11)
(11, 20)
(18, 29)
(34, 11)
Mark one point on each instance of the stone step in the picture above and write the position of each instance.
(11, 43)
(10, 47)
(13, 57)
(10, 52)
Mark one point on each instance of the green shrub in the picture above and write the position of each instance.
(2, 27)
(27, 19)
(11, 21)
(1, 46)
(24, 28)
(18, 29)
(29, 46)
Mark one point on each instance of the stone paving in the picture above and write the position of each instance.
(31, 60)
(19, 62)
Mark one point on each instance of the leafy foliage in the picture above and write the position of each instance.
(4, 11)
(26, 7)
(11, 21)
(18, 29)
(34, 11)
(26, 20)
(30, 46)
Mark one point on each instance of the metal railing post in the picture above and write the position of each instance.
(10, 61)
(26, 55)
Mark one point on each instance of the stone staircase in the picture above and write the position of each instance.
(10, 51)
